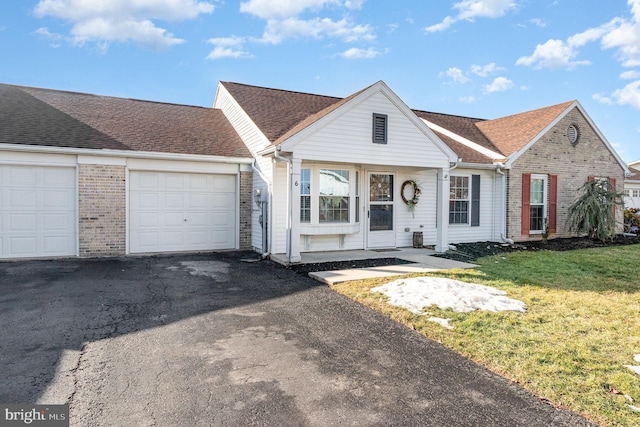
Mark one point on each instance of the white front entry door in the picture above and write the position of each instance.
(37, 211)
(381, 222)
(171, 211)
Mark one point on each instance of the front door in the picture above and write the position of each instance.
(381, 229)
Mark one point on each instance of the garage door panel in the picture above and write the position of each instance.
(22, 176)
(196, 212)
(62, 178)
(23, 246)
(57, 222)
(23, 222)
(23, 199)
(173, 201)
(51, 244)
(58, 199)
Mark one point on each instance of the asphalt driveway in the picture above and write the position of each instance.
(224, 339)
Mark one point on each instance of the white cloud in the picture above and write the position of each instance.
(355, 53)
(538, 22)
(456, 75)
(630, 75)
(467, 99)
(468, 10)
(552, 54)
(622, 34)
(121, 20)
(227, 47)
(281, 9)
(629, 95)
(276, 31)
(499, 84)
(602, 99)
(55, 39)
(485, 70)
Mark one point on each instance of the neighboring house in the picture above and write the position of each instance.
(632, 187)
(494, 180)
(86, 175)
(282, 173)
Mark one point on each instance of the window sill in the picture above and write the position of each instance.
(313, 230)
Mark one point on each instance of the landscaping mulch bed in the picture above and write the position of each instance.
(471, 251)
(345, 265)
(468, 252)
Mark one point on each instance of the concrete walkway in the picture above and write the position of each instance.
(422, 260)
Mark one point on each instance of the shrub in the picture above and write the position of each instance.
(593, 211)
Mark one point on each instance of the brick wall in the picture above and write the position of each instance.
(102, 209)
(554, 154)
(246, 205)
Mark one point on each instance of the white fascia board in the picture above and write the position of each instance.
(123, 153)
(464, 141)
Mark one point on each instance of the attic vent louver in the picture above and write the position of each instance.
(379, 128)
(573, 133)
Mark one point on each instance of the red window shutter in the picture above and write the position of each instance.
(590, 178)
(553, 202)
(526, 202)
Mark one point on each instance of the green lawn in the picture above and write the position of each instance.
(581, 327)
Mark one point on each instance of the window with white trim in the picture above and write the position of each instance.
(329, 196)
(305, 195)
(538, 203)
(333, 200)
(459, 200)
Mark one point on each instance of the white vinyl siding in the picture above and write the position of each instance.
(171, 211)
(348, 138)
(255, 142)
(37, 211)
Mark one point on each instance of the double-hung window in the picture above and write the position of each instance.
(459, 200)
(537, 203)
(305, 195)
(333, 200)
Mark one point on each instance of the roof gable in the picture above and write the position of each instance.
(512, 133)
(335, 110)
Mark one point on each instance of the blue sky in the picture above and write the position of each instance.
(478, 58)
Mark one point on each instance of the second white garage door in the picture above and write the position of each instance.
(181, 212)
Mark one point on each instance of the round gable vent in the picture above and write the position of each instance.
(573, 133)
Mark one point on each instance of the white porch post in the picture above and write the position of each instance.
(442, 221)
(293, 251)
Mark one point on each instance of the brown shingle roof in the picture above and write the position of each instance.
(635, 174)
(277, 112)
(26, 120)
(512, 133)
(101, 122)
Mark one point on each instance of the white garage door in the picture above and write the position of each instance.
(37, 211)
(181, 212)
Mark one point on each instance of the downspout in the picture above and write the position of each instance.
(503, 234)
(289, 201)
(265, 225)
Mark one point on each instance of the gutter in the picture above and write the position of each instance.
(124, 153)
(503, 235)
(265, 251)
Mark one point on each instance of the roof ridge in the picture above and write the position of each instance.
(71, 92)
(415, 110)
(284, 90)
(534, 110)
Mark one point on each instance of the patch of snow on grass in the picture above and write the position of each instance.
(416, 293)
